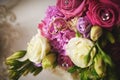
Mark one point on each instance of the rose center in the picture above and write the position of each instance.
(105, 15)
(66, 2)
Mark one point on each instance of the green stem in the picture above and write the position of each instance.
(106, 58)
(20, 71)
(77, 34)
(99, 48)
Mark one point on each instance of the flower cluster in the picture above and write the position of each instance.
(76, 35)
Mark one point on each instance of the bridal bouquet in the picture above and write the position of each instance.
(80, 36)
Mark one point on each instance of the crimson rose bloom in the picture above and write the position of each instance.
(71, 8)
(104, 13)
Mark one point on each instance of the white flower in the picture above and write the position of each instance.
(78, 51)
(37, 49)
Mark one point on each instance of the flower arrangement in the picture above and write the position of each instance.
(80, 36)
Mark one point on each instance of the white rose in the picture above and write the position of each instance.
(37, 49)
(78, 49)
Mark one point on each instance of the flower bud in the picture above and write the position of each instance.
(48, 61)
(84, 26)
(12, 73)
(95, 32)
(110, 37)
(17, 55)
(12, 62)
(99, 65)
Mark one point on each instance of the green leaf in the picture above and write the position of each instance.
(14, 75)
(25, 72)
(88, 57)
(106, 58)
(32, 69)
(84, 75)
(94, 75)
(17, 69)
(72, 69)
(37, 71)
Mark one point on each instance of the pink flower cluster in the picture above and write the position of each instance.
(56, 26)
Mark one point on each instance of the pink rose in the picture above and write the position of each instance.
(105, 13)
(71, 8)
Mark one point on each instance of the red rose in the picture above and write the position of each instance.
(71, 8)
(104, 13)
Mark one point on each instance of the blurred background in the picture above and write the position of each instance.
(18, 23)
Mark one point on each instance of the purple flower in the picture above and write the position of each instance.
(64, 60)
(53, 12)
(84, 26)
(58, 33)
(59, 40)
